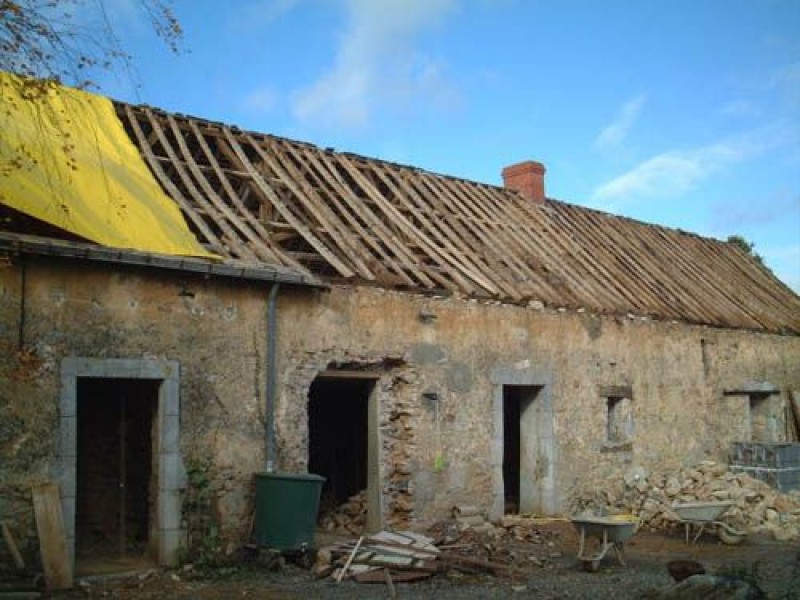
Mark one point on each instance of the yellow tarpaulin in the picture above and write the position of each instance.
(66, 159)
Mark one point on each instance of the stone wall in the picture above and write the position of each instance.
(214, 329)
(439, 366)
(688, 387)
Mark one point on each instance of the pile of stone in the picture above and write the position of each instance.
(756, 506)
(349, 517)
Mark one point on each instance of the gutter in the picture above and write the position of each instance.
(29, 244)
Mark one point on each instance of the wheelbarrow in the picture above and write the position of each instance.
(704, 516)
(610, 532)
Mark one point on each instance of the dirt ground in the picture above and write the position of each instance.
(547, 568)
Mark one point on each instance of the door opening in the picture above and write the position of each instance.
(522, 437)
(343, 445)
(116, 473)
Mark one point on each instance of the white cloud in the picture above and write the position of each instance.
(615, 133)
(375, 56)
(260, 100)
(678, 171)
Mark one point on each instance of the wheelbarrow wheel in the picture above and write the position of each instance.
(728, 535)
(590, 565)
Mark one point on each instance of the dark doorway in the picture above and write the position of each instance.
(521, 446)
(511, 460)
(338, 427)
(116, 483)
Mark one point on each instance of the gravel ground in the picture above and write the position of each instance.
(778, 574)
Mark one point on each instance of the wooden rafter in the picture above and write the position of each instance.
(264, 199)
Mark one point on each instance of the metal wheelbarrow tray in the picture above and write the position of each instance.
(704, 515)
(610, 532)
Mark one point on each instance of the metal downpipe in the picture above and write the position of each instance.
(269, 409)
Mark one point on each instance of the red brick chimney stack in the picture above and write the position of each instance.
(527, 178)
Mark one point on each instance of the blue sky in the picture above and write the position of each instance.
(681, 113)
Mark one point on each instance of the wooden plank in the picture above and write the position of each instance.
(174, 193)
(344, 197)
(199, 199)
(253, 220)
(263, 251)
(11, 544)
(266, 191)
(481, 251)
(52, 537)
(343, 572)
(448, 252)
(397, 218)
(320, 207)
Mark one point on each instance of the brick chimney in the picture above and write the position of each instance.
(527, 178)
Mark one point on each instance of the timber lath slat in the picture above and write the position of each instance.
(237, 199)
(253, 240)
(185, 206)
(499, 242)
(621, 246)
(441, 256)
(391, 212)
(315, 205)
(353, 219)
(526, 229)
(207, 205)
(338, 197)
(451, 233)
(384, 241)
(689, 278)
(270, 195)
(603, 257)
(474, 238)
(585, 293)
(360, 219)
(725, 271)
(697, 283)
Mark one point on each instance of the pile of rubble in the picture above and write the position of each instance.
(756, 507)
(348, 518)
(513, 549)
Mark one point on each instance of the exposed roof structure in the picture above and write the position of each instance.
(260, 198)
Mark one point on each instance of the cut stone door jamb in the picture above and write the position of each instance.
(171, 473)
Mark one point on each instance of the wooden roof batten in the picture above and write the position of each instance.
(263, 199)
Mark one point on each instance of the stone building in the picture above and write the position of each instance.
(428, 340)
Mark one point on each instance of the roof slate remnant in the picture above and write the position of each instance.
(348, 218)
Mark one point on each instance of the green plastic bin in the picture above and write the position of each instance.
(286, 510)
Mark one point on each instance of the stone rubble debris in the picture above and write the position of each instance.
(348, 518)
(756, 506)
(514, 548)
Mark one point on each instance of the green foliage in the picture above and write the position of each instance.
(204, 549)
(745, 246)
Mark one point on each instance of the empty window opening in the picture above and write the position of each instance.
(116, 478)
(521, 444)
(339, 449)
(763, 418)
(619, 420)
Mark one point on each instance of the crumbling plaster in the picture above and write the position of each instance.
(677, 374)
(213, 329)
(441, 361)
